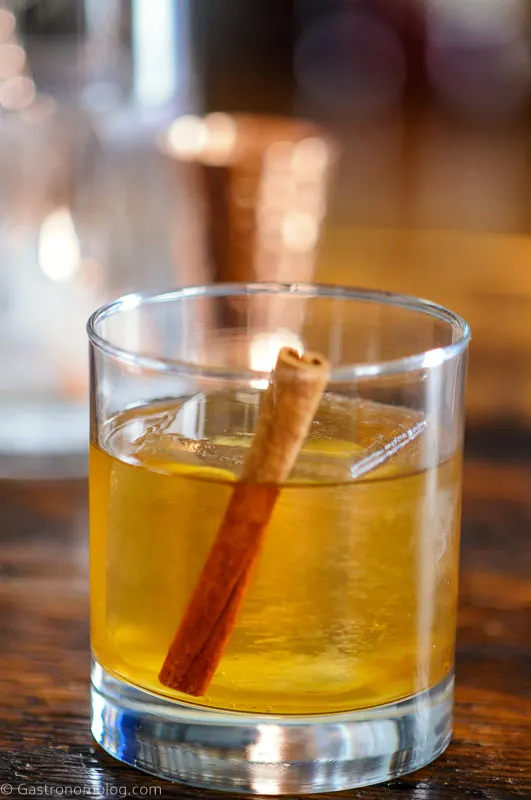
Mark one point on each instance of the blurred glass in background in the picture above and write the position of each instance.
(146, 144)
(86, 202)
(50, 271)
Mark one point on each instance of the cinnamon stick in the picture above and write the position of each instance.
(286, 412)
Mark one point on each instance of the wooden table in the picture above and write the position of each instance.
(45, 741)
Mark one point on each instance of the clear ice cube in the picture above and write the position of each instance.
(348, 439)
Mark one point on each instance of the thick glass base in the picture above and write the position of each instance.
(263, 754)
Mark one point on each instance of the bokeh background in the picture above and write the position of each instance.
(146, 144)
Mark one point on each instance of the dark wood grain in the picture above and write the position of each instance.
(44, 647)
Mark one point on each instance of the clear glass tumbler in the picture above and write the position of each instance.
(320, 644)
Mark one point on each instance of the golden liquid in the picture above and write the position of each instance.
(352, 602)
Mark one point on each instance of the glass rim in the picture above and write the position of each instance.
(424, 359)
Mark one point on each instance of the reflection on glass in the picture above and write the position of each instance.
(262, 183)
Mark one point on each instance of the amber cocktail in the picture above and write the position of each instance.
(346, 616)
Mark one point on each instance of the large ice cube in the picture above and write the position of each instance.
(348, 439)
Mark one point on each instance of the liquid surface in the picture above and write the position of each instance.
(352, 602)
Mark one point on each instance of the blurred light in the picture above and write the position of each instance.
(300, 232)
(12, 60)
(221, 138)
(154, 50)
(187, 137)
(351, 62)
(291, 205)
(59, 251)
(433, 358)
(272, 196)
(265, 348)
(278, 155)
(17, 94)
(310, 156)
(267, 749)
(211, 140)
(7, 24)
(269, 221)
